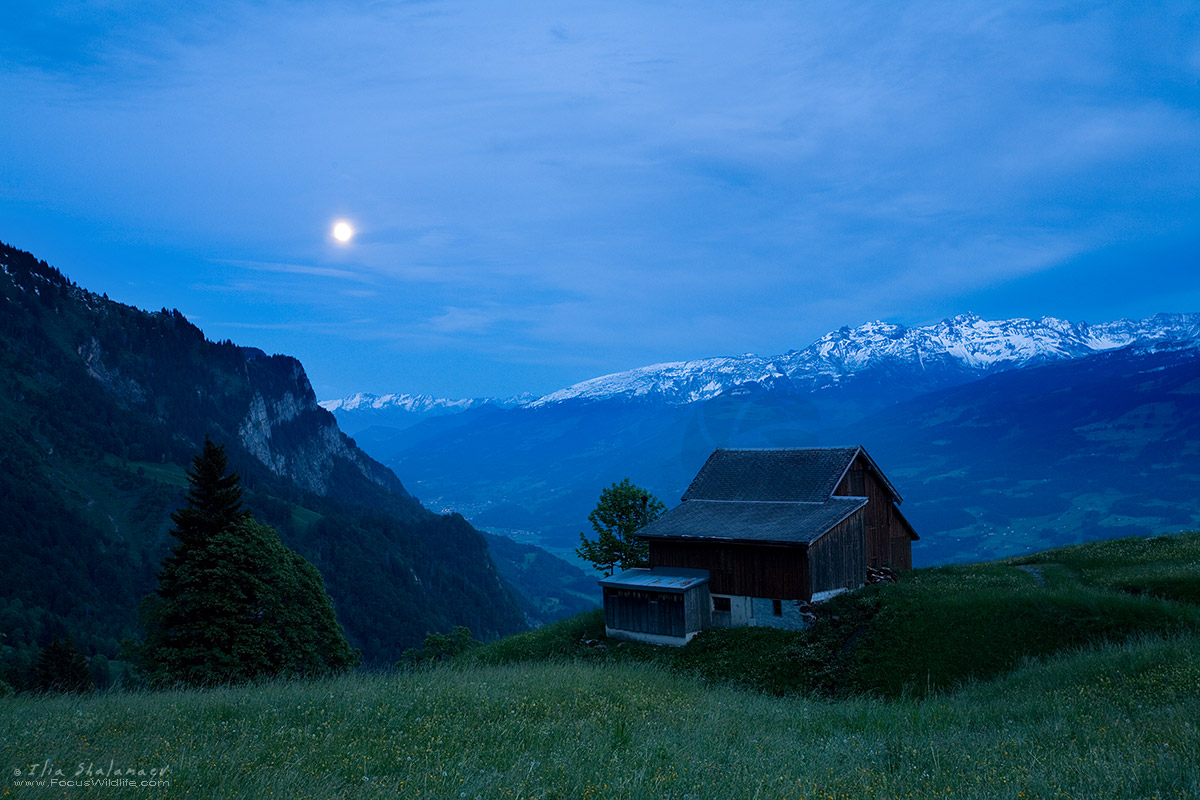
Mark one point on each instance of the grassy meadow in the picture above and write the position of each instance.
(936, 630)
(1103, 702)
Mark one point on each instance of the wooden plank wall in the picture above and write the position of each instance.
(697, 609)
(740, 569)
(901, 546)
(836, 559)
(887, 538)
(644, 612)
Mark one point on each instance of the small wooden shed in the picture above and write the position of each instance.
(666, 605)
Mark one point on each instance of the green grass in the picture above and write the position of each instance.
(939, 628)
(1116, 721)
(1070, 680)
(305, 518)
(170, 474)
(1162, 566)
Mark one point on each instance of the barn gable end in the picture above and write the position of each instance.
(888, 533)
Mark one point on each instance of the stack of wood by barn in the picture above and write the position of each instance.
(758, 536)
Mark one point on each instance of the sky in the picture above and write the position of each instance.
(544, 192)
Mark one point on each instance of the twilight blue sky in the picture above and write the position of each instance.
(548, 191)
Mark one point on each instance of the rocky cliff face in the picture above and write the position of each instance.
(265, 403)
(294, 437)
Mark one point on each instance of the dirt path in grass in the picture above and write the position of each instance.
(1036, 572)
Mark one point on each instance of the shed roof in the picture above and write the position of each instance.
(660, 579)
(804, 475)
(752, 521)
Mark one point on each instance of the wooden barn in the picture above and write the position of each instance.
(759, 534)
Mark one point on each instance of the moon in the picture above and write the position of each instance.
(342, 231)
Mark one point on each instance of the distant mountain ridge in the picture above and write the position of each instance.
(1098, 447)
(409, 402)
(955, 350)
(363, 409)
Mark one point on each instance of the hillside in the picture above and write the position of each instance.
(102, 407)
(1113, 722)
(1101, 713)
(547, 588)
(936, 630)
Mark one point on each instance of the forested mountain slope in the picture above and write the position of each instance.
(102, 406)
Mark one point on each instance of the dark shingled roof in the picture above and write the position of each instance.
(805, 476)
(752, 521)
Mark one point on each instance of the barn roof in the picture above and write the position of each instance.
(752, 521)
(808, 475)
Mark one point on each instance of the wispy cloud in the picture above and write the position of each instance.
(306, 269)
(593, 185)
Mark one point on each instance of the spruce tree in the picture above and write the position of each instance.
(214, 501)
(233, 602)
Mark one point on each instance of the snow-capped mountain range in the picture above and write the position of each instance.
(953, 350)
(414, 403)
(362, 409)
(966, 344)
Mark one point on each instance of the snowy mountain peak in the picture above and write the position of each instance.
(676, 382)
(959, 348)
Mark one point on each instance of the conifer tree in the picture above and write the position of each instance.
(214, 501)
(233, 602)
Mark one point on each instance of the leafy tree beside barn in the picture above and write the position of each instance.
(233, 603)
(622, 510)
